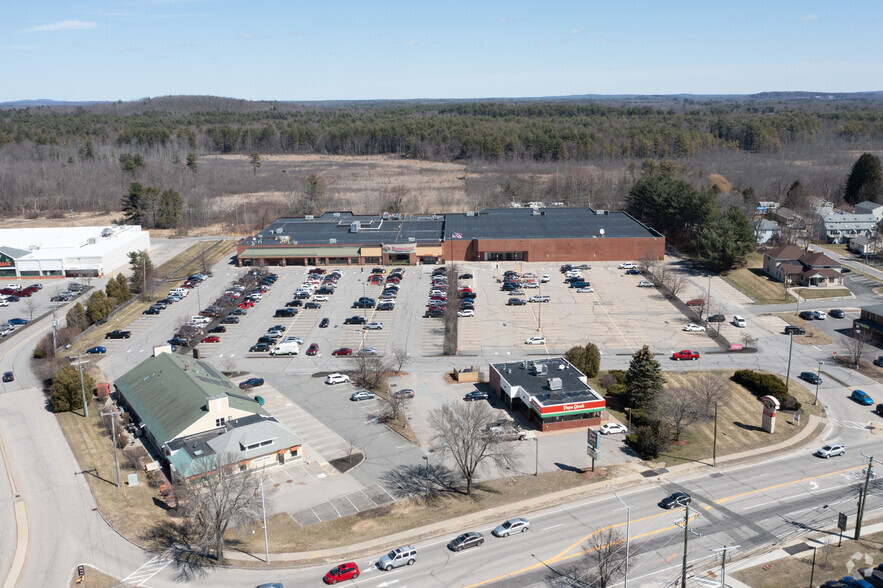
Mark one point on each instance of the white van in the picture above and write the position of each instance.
(739, 321)
(180, 292)
(286, 348)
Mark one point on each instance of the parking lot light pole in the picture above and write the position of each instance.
(815, 400)
(536, 463)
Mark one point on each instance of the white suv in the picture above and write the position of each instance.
(398, 557)
(337, 379)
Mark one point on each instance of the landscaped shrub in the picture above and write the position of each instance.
(761, 384)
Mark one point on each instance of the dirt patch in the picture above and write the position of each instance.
(815, 293)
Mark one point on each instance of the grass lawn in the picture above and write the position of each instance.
(287, 536)
(813, 335)
(811, 293)
(751, 281)
(95, 579)
(840, 248)
(796, 570)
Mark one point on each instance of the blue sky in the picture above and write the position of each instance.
(327, 50)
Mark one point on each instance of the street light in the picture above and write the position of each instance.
(536, 463)
(819, 374)
(628, 411)
(628, 524)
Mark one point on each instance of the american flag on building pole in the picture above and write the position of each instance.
(456, 235)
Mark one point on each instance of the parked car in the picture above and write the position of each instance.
(294, 303)
(259, 347)
(476, 395)
(820, 315)
(685, 354)
(646, 284)
(634, 272)
(585, 290)
(342, 351)
(516, 302)
(362, 395)
(251, 383)
(239, 312)
(694, 328)
(696, 302)
(627, 265)
(313, 349)
(516, 525)
(807, 315)
(831, 450)
(861, 397)
(465, 541)
(398, 557)
(387, 305)
(8, 377)
(466, 312)
(337, 378)
(717, 318)
(312, 305)
(675, 500)
(285, 312)
(373, 326)
(151, 310)
(355, 320)
(211, 339)
(404, 393)
(218, 329)
(837, 313)
(811, 377)
(367, 351)
(118, 334)
(434, 313)
(98, 349)
(740, 322)
(536, 341)
(230, 320)
(612, 428)
(792, 330)
(323, 324)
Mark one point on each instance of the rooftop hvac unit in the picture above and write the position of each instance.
(561, 367)
(470, 214)
(332, 241)
(524, 364)
(411, 239)
(534, 212)
(601, 212)
(309, 217)
(284, 238)
(538, 368)
(555, 384)
(106, 232)
(335, 214)
(33, 247)
(91, 241)
(355, 226)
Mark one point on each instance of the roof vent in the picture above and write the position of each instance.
(411, 239)
(538, 369)
(561, 367)
(602, 212)
(355, 226)
(279, 231)
(470, 214)
(335, 214)
(555, 384)
(332, 241)
(524, 364)
(91, 241)
(534, 212)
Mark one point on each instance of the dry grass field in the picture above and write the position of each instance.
(751, 281)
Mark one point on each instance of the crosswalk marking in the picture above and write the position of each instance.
(149, 569)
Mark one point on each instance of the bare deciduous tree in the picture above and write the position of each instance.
(393, 406)
(369, 370)
(710, 390)
(30, 306)
(401, 358)
(856, 346)
(606, 553)
(460, 432)
(675, 282)
(679, 407)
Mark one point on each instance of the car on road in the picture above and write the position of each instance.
(476, 395)
(17, 321)
(251, 383)
(8, 377)
(342, 351)
(336, 378)
(646, 284)
(585, 290)
(260, 347)
(465, 541)
(323, 324)
(691, 328)
(675, 500)
(367, 351)
(807, 315)
(218, 329)
(837, 313)
(118, 334)
(831, 450)
(535, 341)
(516, 302)
(861, 397)
(717, 318)
(398, 557)
(516, 525)
(362, 395)
(685, 354)
(466, 312)
(612, 428)
(740, 322)
(211, 339)
(792, 330)
(627, 265)
(151, 311)
(342, 573)
(373, 326)
(811, 377)
(98, 349)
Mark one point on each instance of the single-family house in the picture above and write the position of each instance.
(793, 265)
(860, 245)
(766, 229)
(191, 414)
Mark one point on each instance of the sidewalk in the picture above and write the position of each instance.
(485, 516)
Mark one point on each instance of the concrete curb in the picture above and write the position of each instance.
(380, 544)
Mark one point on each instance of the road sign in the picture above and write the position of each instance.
(81, 571)
(593, 453)
(592, 438)
(841, 521)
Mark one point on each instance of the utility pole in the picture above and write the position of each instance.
(264, 510)
(815, 400)
(116, 461)
(82, 386)
(687, 532)
(862, 499)
(628, 524)
(724, 561)
(714, 442)
(790, 348)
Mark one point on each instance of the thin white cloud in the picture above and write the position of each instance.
(300, 34)
(252, 36)
(411, 42)
(64, 25)
(601, 40)
(575, 31)
(810, 17)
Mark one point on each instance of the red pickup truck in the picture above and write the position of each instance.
(685, 354)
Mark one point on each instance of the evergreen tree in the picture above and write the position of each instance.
(98, 308)
(865, 181)
(643, 379)
(112, 289)
(256, 162)
(169, 209)
(726, 240)
(586, 359)
(142, 271)
(67, 390)
(131, 163)
(123, 288)
(134, 204)
(191, 162)
(87, 151)
(76, 317)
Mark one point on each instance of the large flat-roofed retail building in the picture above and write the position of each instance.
(68, 251)
(500, 234)
(551, 393)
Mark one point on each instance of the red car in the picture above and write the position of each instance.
(211, 339)
(393, 280)
(696, 302)
(342, 351)
(246, 304)
(313, 349)
(685, 354)
(347, 571)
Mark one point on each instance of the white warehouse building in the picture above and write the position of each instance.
(68, 251)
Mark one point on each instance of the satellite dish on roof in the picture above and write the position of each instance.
(601, 232)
